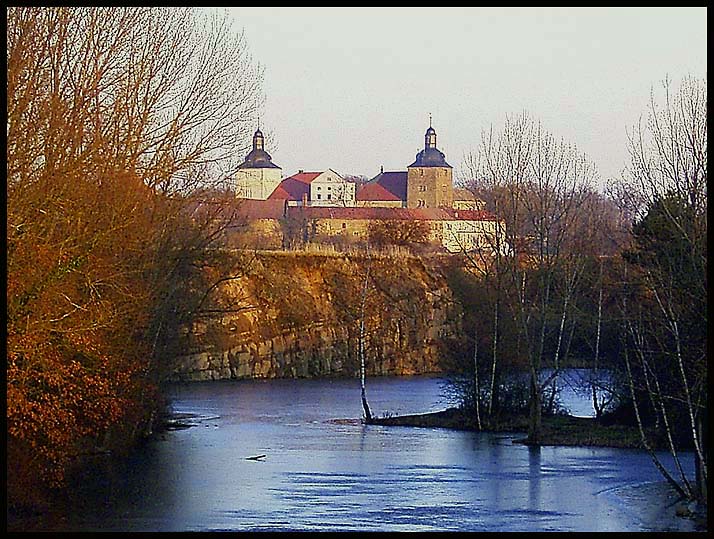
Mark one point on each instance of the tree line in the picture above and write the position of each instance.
(117, 120)
(612, 279)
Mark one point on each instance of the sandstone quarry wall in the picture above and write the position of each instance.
(298, 315)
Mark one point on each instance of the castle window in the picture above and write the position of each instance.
(319, 196)
(422, 188)
(420, 203)
(329, 197)
(329, 188)
(344, 225)
(318, 187)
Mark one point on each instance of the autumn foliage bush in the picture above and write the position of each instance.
(115, 117)
(78, 307)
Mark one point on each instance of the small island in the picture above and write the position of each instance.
(559, 429)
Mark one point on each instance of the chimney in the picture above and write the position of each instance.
(304, 199)
(381, 169)
(300, 171)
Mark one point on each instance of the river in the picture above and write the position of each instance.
(324, 470)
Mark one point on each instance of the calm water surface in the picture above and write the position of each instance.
(324, 470)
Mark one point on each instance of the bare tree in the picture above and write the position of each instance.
(158, 90)
(664, 189)
(115, 116)
(540, 183)
(487, 259)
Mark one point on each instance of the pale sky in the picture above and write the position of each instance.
(351, 88)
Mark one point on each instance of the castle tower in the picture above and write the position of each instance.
(257, 176)
(429, 177)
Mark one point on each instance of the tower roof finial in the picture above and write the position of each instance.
(430, 119)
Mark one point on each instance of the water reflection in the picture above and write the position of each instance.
(534, 478)
(324, 470)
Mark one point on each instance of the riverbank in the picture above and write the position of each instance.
(556, 430)
(324, 470)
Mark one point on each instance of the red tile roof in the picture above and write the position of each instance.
(326, 212)
(235, 209)
(251, 209)
(385, 186)
(304, 177)
(290, 189)
(375, 191)
(294, 187)
(421, 214)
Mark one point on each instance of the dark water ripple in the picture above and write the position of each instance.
(326, 471)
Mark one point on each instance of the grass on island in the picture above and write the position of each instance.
(556, 429)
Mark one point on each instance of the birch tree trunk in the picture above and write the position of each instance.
(365, 405)
(597, 406)
(477, 385)
(494, 360)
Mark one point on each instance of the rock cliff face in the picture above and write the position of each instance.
(298, 315)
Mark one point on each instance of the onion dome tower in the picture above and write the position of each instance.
(257, 175)
(429, 177)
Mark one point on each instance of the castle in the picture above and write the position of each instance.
(338, 209)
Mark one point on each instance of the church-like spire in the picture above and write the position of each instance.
(430, 136)
(430, 156)
(258, 139)
(258, 157)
